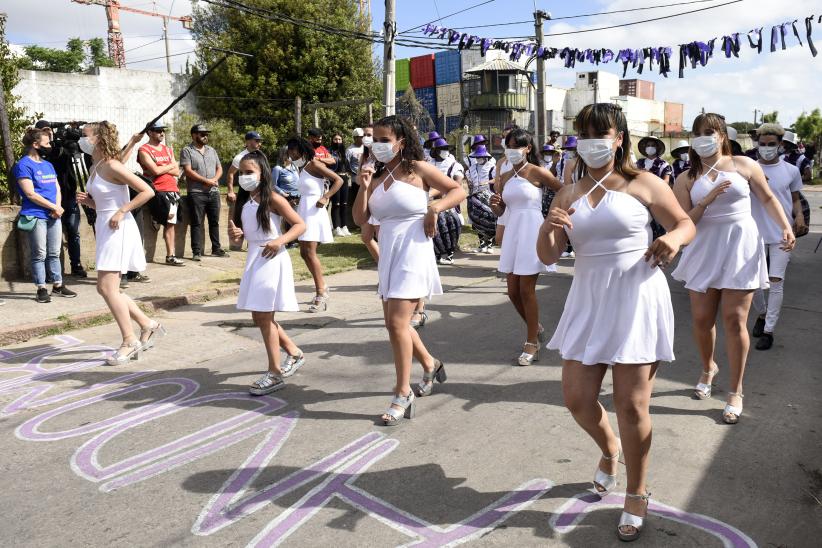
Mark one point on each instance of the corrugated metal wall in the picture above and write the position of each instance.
(448, 67)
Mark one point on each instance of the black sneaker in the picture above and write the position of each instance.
(219, 253)
(43, 295)
(171, 260)
(197, 257)
(759, 327)
(141, 278)
(79, 272)
(765, 342)
(63, 291)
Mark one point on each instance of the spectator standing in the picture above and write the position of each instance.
(253, 141)
(795, 157)
(682, 162)
(339, 201)
(315, 137)
(653, 149)
(203, 170)
(159, 166)
(40, 214)
(353, 154)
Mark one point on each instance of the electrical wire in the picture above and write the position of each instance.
(447, 16)
(160, 57)
(143, 45)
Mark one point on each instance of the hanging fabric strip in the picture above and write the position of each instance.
(809, 30)
(782, 34)
(774, 38)
(683, 51)
(796, 32)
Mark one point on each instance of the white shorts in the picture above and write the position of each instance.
(778, 260)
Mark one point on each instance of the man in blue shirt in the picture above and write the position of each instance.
(41, 212)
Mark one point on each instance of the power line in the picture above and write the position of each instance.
(447, 16)
(143, 45)
(160, 57)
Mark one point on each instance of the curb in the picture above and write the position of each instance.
(25, 332)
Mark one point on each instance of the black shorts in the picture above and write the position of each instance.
(165, 208)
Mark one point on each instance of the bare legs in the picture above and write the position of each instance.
(405, 343)
(632, 394)
(522, 291)
(122, 307)
(274, 337)
(168, 237)
(308, 252)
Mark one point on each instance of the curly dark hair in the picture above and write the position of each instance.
(403, 129)
(302, 146)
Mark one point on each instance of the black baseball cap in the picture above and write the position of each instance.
(156, 126)
(200, 128)
(41, 124)
(253, 135)
(315, 132)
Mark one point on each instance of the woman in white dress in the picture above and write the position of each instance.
(314, 198)
(725, 263)
(119, 248)
(397, 196)
(267, 285)
(520, 191)
(618, 312)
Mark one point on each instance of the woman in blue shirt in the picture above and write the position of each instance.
(40, 214)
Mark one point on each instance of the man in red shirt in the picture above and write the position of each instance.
(159, 166)
(315, 137)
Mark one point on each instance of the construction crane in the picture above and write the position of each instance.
(115, 38)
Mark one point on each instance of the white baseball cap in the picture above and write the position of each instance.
(790, 137)
(358, 132)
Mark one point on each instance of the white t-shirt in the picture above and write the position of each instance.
(450, 167)
(783, 178)
(235, 163)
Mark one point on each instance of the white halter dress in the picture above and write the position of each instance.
(728, 251)
(618, 310)
(407, 267)
(267, 284)
(119, 250)
(317, 222)
(523, 205)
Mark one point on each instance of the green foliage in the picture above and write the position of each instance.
(289, 61)
(743, 127)
(770, 117)
(809, 127)
(78, 56)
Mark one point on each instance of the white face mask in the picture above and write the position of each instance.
(705, 146)
(368, 140)
(384, 152)
(248, 182)
(649, 151)
(596, 153)
(85, 145)
(684, 157)
(515, 155)
(298, 163)
(768, 153)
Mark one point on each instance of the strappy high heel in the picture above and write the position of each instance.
(731, 413)
(631, 520)
(703, 390)
(154, 333)
(416, 324)
(427, 385)
(119, 358)
(407, 403)
(320, 302)
(527, 359)
(541, 335)
(605, 483)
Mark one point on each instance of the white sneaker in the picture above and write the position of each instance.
(565, 255)
(489, 250)
(338, 232)
(446, 260)
(345, 231)
(571, 255)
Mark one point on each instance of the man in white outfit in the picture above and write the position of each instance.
(785, 182)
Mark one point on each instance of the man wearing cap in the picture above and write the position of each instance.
(482, 217)
(203, 170)
(157, 161)
(682, 161)
(315, 137)
(793, 156)
(253, 141)
(653, 149)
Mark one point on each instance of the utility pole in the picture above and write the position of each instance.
(298, 115)
(755, 111)
(542, 130)
(389, 31)
(165, 37)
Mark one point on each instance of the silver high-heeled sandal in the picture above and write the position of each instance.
(527, 359)
(703, 389)
(423, 317)
(154, 333)
(119, 358)
(427, 385)
(732, 413)
(631, 520)
(320, 302)
(407, 404)
(605, 483)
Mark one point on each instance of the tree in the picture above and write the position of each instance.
(78, 56)
(289, 61)
(743, 127)
(409, 106)
(224, 138)
(770, 117)
(809, 128)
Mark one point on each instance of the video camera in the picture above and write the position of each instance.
(67, 131)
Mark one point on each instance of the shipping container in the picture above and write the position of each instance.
(427, 97)
(447, 67)
(422, 71)
(402, 72)
(449, 99)
(452, 123)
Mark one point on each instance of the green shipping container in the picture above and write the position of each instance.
(402, 68)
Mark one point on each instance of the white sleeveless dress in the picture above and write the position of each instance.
(119, 250)
(618, 309)
(407, 267)
(267, 284)
(728, 251)
(317, 221)
(523, 205)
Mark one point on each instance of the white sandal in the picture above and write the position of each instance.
(732, 413)
(427, 385)
(631, 520)
(703, 390)
(527, 359)
(320, 302)
(605, 483)
(122, 358)
(407, 403)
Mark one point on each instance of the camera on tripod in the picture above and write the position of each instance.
(66, 131)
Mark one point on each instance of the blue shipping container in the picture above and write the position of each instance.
(451, 123)
(427, 98)
(448, 67)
